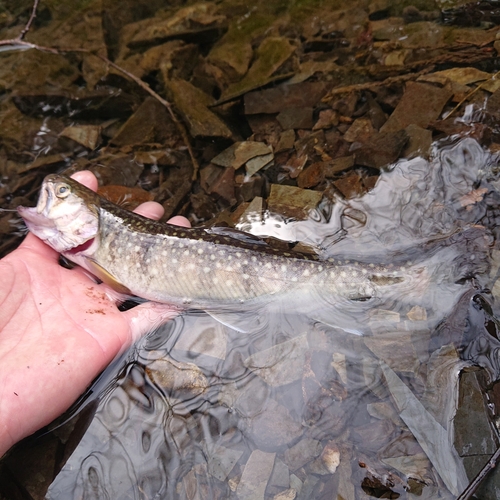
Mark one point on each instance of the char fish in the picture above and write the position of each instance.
(212, 269)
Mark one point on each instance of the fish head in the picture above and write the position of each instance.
(66, 216)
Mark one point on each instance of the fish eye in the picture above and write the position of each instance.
(62, 190)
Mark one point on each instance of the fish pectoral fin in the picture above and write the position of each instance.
(241, 322)
(107, 277)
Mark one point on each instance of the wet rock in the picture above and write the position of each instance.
(382, 149)
(223, 186)
(102, 104)
(281, 364)
(273, 428)
(151, 123)
(33, 70)
(256, 474)
(232, 57)
(269, 57)
(473, 433)
(309, 143)
(360, 130)
(288, 494)
(373, 436)
(327, 119)
(281, 475)
(338, 165)
(193, 104)
(292, 118)
(293, 202)
(303, 452)
(396, 349)
(176, 376)
(221, 460)
(420, 105)
(350, 185)
(240, 153)
(204, 336)
(199, 21)
(286, 141)
(86, 135)
(419, 142)
(285, 96)
(118, 169)
(174, 190)
(312, 175)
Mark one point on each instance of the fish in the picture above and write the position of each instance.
(221, 271)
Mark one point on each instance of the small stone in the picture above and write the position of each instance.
(293, 118)
(256, 474)
(304, 451)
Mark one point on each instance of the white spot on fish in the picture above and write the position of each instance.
(200, 250)
(283, 268)
(294, 278)
(174, 261)
(307, 273)
(320, 268)
(164, 253)
(186, 253)
(212, 257)
(343, 274)
(246, 276)
(238, 254)
(254, 259)
(191, 266)
(245, 262)
(206, 270)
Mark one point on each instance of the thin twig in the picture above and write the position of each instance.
(477, 481)
(165, 103)
(19, 42)
(30, 20)
(472, 92)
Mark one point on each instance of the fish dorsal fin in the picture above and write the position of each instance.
(107, 277)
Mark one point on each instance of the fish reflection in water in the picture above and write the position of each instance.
(306, 401)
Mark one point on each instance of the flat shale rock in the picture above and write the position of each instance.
(151, 123)
(86, 135)
(256, 474)
(381, 149)
(273, 428)
(172, 375)
(420, 105)
(269, 57)
(232, 57)
(195, 21)
(285, 96)
(292, 201)
(193, 104)
(281, 364)
(301, 453)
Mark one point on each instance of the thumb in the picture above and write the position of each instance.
(148, 316)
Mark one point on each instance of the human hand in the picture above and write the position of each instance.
(58, 330)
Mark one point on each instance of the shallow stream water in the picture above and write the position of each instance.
(198, 410)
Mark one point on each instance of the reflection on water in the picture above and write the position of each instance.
(304, 410)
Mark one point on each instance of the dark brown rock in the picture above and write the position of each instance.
(292, 118)
(312, 175)
(420, 105)
(306, 94)
(382, 149)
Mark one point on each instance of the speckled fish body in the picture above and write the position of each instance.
(192, 267)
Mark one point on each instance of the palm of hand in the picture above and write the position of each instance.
(58, 331)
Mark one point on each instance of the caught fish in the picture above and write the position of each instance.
(216, 270)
